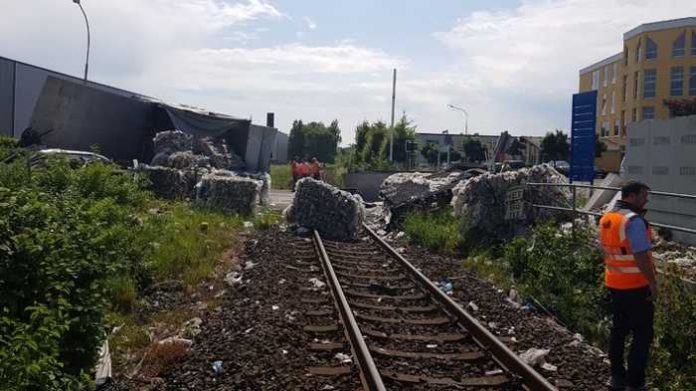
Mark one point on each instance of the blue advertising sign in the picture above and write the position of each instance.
(582, 136)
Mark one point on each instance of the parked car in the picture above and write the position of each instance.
(75, 158)
(561, 166)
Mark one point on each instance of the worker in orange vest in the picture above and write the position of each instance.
(303, 169)
(315, 169)
(631, 279)
(295, 171)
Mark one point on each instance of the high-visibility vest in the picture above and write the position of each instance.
(303, 169)
(620, 268)
(315, 168)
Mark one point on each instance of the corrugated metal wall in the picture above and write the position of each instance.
(7, 77)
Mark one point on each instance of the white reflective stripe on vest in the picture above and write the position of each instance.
(624, 269)
(628, 215)
(622, 258)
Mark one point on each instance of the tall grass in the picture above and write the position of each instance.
(437, 231)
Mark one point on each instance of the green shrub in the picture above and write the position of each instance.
(437, 231)
(564, 273)
(8, 142)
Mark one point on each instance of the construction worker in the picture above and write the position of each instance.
(315, 169)
(303, 169)
(630, 278)
(294, 169)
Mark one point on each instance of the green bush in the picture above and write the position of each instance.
(437, 231)
(62, 232)
(8, 142)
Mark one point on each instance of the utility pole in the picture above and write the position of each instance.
(391, 141)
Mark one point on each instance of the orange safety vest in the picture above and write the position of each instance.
(620, 268)
(302, 169)
(315, 168)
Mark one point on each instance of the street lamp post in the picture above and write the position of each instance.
(88, 37)
(466, 117)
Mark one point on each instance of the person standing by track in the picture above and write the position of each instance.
(630, 277)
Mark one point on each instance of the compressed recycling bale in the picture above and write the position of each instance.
(404, 186)
(167, 182)
(336, 214)
(187, 159)
(171, 141)
(219, 153)
(481, 201)
(228, 192)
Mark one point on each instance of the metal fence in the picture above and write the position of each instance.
(576, 211)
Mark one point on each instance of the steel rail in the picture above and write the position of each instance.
(372, 380)
(505, 357)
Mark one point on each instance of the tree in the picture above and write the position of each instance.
(372, 142)
(681, 107)
(555, 146)
(314, 140)
(429, 152)
(473, 150)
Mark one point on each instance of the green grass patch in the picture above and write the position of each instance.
(437, 231)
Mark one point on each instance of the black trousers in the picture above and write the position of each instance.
(632, 314)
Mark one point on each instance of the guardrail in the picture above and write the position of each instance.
(576, 211)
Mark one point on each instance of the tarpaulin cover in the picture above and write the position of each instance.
(202, 124)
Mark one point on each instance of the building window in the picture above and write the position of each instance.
(679, 45)
(650, 49)
(634, 115)
(692, 81)
(613, 102)
(638, 52)
(635, 85)
(595, 80)
(613, 73)
(625, 87)
(623, 122)
(625, 55)
(617, 127)
(648, 113)
(693, 43)
(604, 104)
(676, 85)
(606, 76)
(604, 130)
(649, 83)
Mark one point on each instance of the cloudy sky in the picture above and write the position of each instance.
(512, 64)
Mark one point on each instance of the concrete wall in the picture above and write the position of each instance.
(663, 155)
(367, 183)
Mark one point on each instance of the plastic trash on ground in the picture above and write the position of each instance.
(534, 356)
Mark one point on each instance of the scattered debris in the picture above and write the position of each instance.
(534, 356)
(275, 308)
(343, 358)
(233, 278)
(249, 265)
(248, 225)
(446, 286)
(473, 306)
(193, 327)
(318, 284)
(494, 372)
(549, 367)
(217, 367)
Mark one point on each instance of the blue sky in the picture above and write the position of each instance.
(512, 64)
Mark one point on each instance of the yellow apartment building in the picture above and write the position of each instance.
(658, 62)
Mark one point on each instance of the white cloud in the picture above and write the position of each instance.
(513, 69)
(310, 23)
(524, 62)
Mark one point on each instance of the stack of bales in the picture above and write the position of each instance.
(223, 190)
(481, 201)
(335, 214)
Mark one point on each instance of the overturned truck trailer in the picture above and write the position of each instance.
(74, 115)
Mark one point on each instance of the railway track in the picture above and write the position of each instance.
(404, 332)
